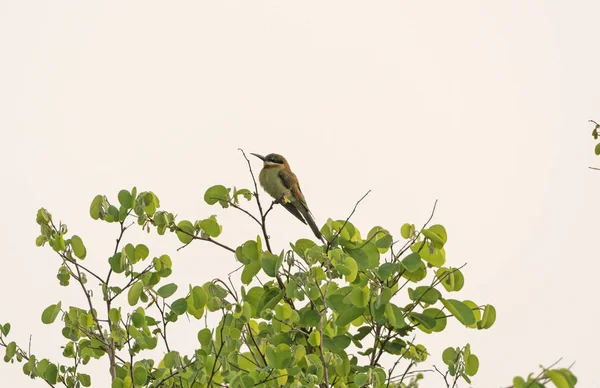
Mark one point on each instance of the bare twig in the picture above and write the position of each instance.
(336, 235)
(260, 209)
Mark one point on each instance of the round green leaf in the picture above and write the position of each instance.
(449, 356)
(141, 252)
(50, 313)
(412, 262)
(185, 231)
(140, 375)
(118, 383)
(350, 263)
(84, 379)
(167, 290)
(269, 263)
(211, 227)
(179, 306)
(135, 291)
(78, 247)
(125, 199)
(96, 208)
(199, 297)
(406, 231)
(439, 316)
(171, 359)
(348, 315)
(51, 373)
(216, 194)
(472, 366)
(205, 337)
(424, 320)
(488, 318)
(249, 271)
(597, 149)
(460, 311)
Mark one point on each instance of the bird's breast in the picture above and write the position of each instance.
(270, 181)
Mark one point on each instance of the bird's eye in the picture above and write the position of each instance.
(274, 159)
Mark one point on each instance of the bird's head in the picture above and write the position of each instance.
(273, 160)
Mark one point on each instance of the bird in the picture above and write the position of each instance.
(281, 183)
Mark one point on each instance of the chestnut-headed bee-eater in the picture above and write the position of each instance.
(281, 183)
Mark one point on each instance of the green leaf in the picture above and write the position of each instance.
(425, 320)
(141, 252)
(381, 237)
(437, 235)
(84, 379)
(205, 337)
(199, 297)
(179, 306)
(211, 227)
(449, 356)
(302, 246)
(118, 383)
(216, 194)
(472, 366)
(140, 375)
(185, 231)
(5, 329)
(352, 266)
(11, 350)
(367, 256)
(558, 379)
(424, 294)
(243, 192)
(250, 270)
(50, 313)
(250, 250)
(348, 315)
(452, 278)
(460, 311)
(270, 263)
(135, 291)
(167, 290)
(40, 240)
(117, 262)
(78, 247)
(597, 149)
(96, 208)
(407, 230)
(359, 297)
(488, 318)
(430, 253)
(284, 355)
(171, 359)
(336, 344)
(361, 379)
(51, 373)
(125, 199)
(386, 270)
(412, 262)
(440, 319)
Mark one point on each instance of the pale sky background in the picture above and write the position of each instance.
(482, 105)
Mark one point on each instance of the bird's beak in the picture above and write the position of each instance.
(258, 156)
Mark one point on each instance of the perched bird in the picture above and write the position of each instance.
(281, 183)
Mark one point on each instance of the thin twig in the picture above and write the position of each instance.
(336, 235)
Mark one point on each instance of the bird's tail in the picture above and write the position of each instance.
(313, 226)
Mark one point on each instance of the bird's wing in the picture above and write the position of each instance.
(299, 208)
(287, 179)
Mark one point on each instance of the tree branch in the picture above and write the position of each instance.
(336, 235)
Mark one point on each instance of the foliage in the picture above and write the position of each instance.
(595, 136)
(313, 315)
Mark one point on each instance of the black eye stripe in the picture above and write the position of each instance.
(274, 159)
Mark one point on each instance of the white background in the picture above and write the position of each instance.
(481, 105)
